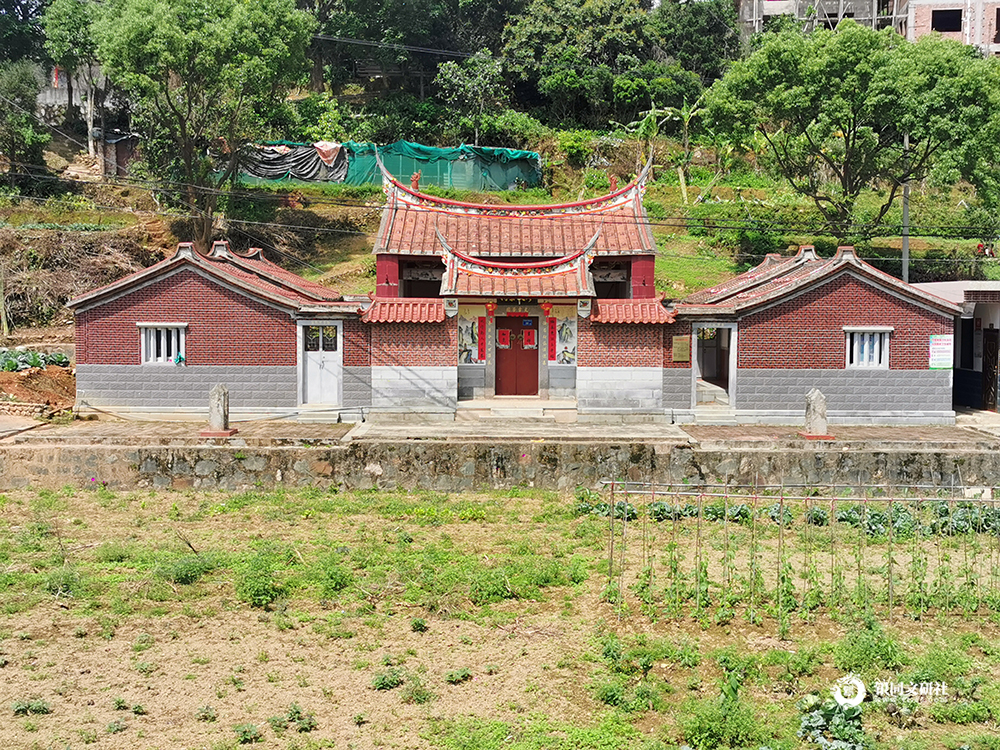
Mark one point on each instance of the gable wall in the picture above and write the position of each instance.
(224, 327)
(806, 332)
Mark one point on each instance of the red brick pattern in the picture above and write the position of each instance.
(357, 344)
(609, 345)
(677, 329)
(415, 344)
(807, 332)
(982, 295)
(224, 327)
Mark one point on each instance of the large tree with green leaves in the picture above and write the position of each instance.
(21, 138)
(20, 29)
(472, 86)
(204, 77)
(572, 51)
(834, 108)
(69, 42)
(702, 36)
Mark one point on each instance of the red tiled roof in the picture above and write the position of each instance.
(777, 277)
(252, 273)
(410, 226)
(472, 277)
(405, 310)
(630, 311)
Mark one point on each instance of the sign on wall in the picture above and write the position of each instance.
(681, 349)
(941, 353)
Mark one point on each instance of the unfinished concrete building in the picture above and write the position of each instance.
(756, 15)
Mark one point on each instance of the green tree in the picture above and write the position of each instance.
(69, 42)
(21, 141)
(572, 50)
(472, 86)
(702, 36)
(204, 75)
(834, 108)
(20, 30)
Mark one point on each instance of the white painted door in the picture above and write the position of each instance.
(323, 359)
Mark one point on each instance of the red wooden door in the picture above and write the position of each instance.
(517, 356)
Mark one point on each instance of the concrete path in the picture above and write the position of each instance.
(974, 431)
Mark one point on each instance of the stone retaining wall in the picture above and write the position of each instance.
(461, 466)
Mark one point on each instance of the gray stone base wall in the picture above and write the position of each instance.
(858, 396)
(562, 381)
(405, 389)
(170, 388)
(357, 391)
(619, 389)
(677, 388)
(471, 381)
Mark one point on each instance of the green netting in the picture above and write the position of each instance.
(463, 168)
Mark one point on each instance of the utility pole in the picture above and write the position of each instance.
(906, 210)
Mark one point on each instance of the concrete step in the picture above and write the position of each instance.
(517, 412)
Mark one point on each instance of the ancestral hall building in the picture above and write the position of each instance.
(545, 310)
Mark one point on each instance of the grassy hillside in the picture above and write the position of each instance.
(88, 233)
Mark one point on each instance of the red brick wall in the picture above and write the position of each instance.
(357, 344)
(224, 328)
(807, 331)
(681, 328)
(610, 345)
(415, 344)
(642, 277)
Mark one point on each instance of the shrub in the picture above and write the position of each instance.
(333, 575)
(35, 706)
(248, 733)
(416, 692)
(256, 583)
(458, 676)
(868, 648)
(64, 581)
(206, 713)
(186, 569)
(116, 726)
(388, 680)
(418, 625)
(964, 712)
(714, 723)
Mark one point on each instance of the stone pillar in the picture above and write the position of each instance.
(816, 424)
(218, 413)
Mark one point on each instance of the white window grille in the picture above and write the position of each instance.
(867, 347)
(162, 343)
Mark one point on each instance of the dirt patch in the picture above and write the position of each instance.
(54, 386)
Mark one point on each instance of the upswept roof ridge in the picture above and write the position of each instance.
(410, 221)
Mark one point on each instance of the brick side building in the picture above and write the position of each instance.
(880, 350)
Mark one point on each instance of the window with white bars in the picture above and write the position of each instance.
(867, 347)
(162, 343)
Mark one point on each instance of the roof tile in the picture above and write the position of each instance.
(405, 310)
(631, 311)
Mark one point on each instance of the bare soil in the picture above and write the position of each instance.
(52, 385)
(132, 638)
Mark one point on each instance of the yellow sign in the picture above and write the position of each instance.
(681, 349)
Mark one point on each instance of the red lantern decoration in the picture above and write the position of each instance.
(491, 308)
